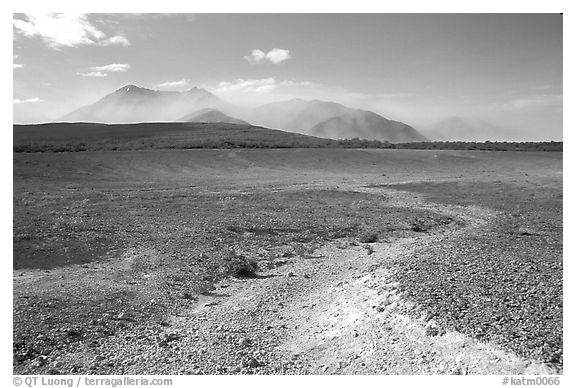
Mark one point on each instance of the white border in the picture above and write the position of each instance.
(296, 6)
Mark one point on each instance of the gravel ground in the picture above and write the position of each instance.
(490, 285)
(337, 310)
(465, 275)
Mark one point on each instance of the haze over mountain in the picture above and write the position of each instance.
(131, 104)
(332, 120)
(366, 125)
(470, 129)
(209, 115)
(296, 115)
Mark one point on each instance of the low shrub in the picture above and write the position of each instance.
(239, 266)
(369, 236)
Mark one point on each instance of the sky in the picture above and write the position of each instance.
(502, 69)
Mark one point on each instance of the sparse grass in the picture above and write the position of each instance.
(550, 146)
(75, 137)
(421, 226)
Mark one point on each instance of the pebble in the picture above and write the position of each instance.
(252, 363)
(123, 316)
(40, 361)
(431, 329)
(244, 342)
(186, 295)
(171, 337)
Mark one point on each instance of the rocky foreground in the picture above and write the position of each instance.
(427, 300)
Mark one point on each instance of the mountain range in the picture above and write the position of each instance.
(132, 104)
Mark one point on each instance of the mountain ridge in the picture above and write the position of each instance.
(132, 103)
(333, 120)
(363, 124)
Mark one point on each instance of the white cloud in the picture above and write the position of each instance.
(544, 100)
(260, 86)
(250, 92)
(172, 84)
(274, 56)
(278, 55)
(97, 74)
(271, 89)
(255, 57)
(102, 71)
(117, 39)
(248, 85)
(28, 100)
(64, 30)
(112, 68)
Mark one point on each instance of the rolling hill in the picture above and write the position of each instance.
(74, 137)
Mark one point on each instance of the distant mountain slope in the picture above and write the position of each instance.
(366, 125)
(295, 115)
(332, 120)
(131, 104)
(209, 115)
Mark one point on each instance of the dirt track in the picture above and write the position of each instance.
(340, 312)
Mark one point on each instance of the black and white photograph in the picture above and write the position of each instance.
(286, 194)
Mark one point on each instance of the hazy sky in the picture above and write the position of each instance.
(505, 69)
